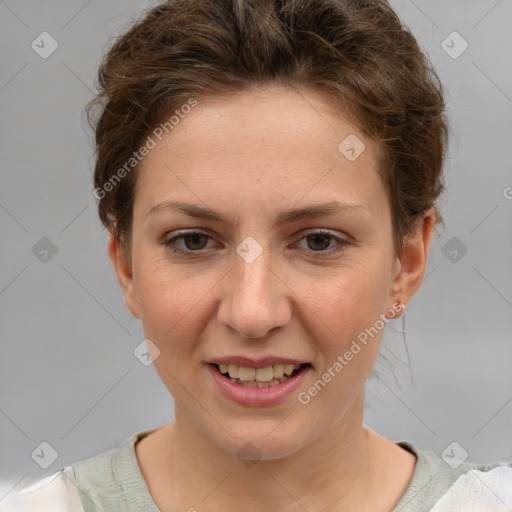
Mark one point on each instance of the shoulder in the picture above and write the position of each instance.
(57, 492)
(98, 483)
(450, 485)
(482, 489)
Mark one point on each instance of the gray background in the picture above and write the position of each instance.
(68, 375)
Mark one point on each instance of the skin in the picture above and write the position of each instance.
(250, 156)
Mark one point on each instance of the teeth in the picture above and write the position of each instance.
(259, 377)
(233, 371)
(288, 369)
(265, 374)
(245, 373)
(278, 371)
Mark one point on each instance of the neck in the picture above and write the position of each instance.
(334, 472)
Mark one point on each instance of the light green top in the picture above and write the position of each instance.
(112, 481)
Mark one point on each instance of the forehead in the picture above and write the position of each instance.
(275, 141)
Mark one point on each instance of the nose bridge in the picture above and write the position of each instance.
(255, 301)
(253, 272)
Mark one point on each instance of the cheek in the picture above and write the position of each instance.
(347, 324)
(344, 302)
(169, 299)
(170, 305)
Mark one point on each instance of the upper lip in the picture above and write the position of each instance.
(255, 363)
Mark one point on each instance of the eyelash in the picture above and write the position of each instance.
(342, 243)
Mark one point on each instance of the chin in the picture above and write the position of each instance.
(262, 441)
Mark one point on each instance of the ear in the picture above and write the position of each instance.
(413, 261)
(123, 269)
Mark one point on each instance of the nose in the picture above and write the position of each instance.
(255, 297)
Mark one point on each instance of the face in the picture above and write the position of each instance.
(258, 282)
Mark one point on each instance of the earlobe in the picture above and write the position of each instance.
(413, 259)
(124, 274)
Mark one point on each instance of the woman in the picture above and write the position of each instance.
(268, 172)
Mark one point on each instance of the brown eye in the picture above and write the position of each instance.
(318, 241)
(323, 243)
(192, 242)
(195, 241)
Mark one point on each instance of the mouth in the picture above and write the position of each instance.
(269, 376)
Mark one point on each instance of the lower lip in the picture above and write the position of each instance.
(258, 396)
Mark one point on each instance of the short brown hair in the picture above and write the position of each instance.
(355, 51)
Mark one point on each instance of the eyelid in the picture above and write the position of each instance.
(182, 232)
(325, 231)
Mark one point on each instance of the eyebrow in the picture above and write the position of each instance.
(285, 217)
